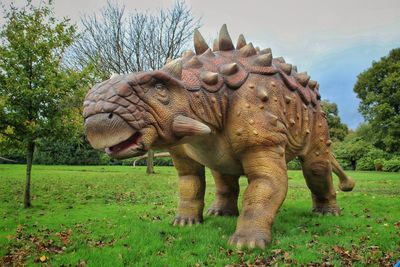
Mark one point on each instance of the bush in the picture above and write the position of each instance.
(365, 164)
(294, 164)
(379, 164)
(68, 152)
(392, 165)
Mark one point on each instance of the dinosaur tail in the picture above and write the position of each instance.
(346, 183)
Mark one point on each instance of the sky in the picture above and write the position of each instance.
(333, 41)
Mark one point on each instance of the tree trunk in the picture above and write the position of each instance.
(150, 162)
(29, 157)
(353, 165)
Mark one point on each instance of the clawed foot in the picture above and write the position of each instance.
(220, 211)
(327, 210)
(186, 220)
(250, 240)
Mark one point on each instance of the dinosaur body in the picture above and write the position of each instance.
(238, 111)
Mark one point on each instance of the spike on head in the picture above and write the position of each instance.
(302, 78)
(194, 62)
(224, 40)
(210, 78)
(287, 68)
(208, 53)
(280, 60)
(248, 50)
(174, 68)
(200, 45)
(312, 84)
(240, 42)
(294, 68)
(263, 60)
(266, 51)
(215, 45)
(187, 54)
(229, 69)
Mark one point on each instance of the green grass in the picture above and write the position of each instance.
(118, 216)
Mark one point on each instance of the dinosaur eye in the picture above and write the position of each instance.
(159, 86)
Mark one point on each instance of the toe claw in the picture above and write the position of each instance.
(250, 240)
(260, 243)
(182, 221)
(175, 222)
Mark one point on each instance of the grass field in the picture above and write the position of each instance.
(119, 216)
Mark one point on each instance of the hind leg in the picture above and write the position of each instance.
(317, 171)
(226, 195)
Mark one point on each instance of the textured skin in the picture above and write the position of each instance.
(262, 113)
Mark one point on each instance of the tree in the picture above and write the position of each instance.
(337, 129)
(357, 151)
(353, 148)
(120, 43)
(379, 91)
(39, 97)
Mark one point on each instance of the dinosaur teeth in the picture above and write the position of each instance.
(194, 62)
(229, 69)
(241, 42)
(185, 126)
(174, 68)
(312, 84)
(280, 60)
(224, 40)
(248, 50)
(302, 78)
(287, 68)
(288, 99)
(200, 45)
(263, 60)
(266, 51)
(209, 78)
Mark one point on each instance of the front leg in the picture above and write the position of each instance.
(191, 188)
(265, 168)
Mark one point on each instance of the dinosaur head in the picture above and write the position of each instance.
(128, 114)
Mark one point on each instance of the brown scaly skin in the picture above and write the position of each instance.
(236, 111)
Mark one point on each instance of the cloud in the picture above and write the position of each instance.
(333, 40)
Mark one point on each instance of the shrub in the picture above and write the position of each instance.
(294, 165)
(379, 164)
(365, 164)
(392, 165)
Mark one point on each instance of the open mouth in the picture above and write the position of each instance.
(133, 143)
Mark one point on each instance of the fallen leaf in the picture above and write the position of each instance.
(43, 258)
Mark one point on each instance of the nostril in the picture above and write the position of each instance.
(110, 116)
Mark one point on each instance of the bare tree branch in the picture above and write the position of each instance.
(116, 42)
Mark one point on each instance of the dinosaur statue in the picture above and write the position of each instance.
(236, 110)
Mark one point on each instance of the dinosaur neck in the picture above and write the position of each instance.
(209, 108)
